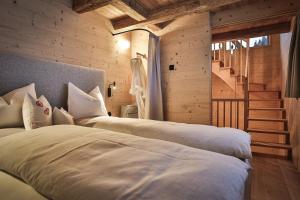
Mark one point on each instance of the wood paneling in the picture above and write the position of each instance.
(292, 105)
(265, 64)
(256, 10)
(110, 12)
(52, 30)
(139, 44)
(171, 12)
(186, 43)
(155, 4)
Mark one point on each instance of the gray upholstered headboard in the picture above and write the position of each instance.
(50, 78)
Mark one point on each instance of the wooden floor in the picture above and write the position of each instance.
(274, 179)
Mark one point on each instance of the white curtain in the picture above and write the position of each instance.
(154, 105)
(138, 85)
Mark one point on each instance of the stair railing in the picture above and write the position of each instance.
(239, 62)
(246, 103)
(227, 112)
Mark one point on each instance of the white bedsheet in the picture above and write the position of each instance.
(12, 188)
(78, 163)
(228, 141)
(8, 131)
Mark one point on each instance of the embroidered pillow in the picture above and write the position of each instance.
(36, 112)
(81, 104)
(60, 116)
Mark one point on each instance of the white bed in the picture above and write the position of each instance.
(228, 141)
(73, 162)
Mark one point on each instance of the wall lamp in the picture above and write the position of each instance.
(111, 86)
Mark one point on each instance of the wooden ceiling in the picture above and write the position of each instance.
(154, 14)
(228, 16)
(155, 4)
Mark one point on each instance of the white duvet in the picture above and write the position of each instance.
(228, 141)
(79, 163)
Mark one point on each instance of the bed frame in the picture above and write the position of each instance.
(51, 79)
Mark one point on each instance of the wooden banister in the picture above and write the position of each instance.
(246, 103)
(233, 107)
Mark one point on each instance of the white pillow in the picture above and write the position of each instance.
(81, 104)
(36, 112)
(11, 106)
(97, 94)
(18, 95)
(60, 116)
(11, 116)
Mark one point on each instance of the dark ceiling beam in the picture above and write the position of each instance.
(82, 6)
(258, 10)
(171, 12)
(134, 10)
(253, 29)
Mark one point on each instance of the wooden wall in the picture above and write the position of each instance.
(51, 30)
(186, 43)
(292, 105)
(139, 43)
(265, 64)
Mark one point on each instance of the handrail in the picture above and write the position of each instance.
(246, 103)
(227, 99)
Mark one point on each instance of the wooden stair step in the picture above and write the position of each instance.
(263, 91)
(265, 99)
(225, 68)
(267, 119)
(257, 84)
(271, 145)
(268, 109)
(268, 131)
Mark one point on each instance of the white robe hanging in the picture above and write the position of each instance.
(138, 85)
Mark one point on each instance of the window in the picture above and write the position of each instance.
(259, 41)
(242, 43)
(230, 45)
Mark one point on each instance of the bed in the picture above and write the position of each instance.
(66, 162)
(227, 141)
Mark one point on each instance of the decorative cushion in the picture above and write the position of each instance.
(81, 104)
(36, 112)
(60, 116)
(11, 106)
(17, 95)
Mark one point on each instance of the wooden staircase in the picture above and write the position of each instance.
(266, 117)
(254, 108)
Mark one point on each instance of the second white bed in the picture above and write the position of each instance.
(228, 141)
